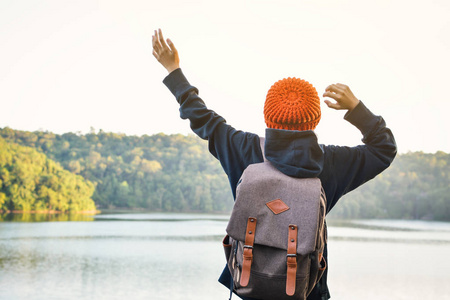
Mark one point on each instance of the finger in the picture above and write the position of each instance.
(155, 41)
(172, 46)
(332, 105)
(161, 39)
(332, 95)
(328, 88)
(157, 35)
(343, 87)
(334, 88)
(155, 54)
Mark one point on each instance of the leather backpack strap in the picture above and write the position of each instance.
(291, 260)
(248, 251)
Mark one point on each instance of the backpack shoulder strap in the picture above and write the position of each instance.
(261, 144)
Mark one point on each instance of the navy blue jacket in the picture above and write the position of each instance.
(295, 153)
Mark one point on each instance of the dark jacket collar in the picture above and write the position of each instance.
(295, 153)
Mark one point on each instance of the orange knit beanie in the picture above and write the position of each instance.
(292, 104)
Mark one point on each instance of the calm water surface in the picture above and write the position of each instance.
(179, 256)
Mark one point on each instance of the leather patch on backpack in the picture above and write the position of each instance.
(277, 206)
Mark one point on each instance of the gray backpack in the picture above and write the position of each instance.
(276, 234)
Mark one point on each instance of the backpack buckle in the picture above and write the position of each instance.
(247, 255)
(291, 256)
(291, 260)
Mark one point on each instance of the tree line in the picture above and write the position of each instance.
(416, 186)
(176, 173)
(159, 172)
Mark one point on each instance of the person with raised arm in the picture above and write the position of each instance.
(291, 113)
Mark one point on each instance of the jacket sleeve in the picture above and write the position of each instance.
(350, 167)
(233, 148)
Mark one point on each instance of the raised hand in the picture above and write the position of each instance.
(166, 54)
(343, 96)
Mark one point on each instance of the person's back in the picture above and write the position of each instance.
(292, 111)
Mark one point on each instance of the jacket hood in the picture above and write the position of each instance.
(294, 153)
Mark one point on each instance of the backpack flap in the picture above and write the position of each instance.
(276, 201)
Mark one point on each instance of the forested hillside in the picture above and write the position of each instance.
(159, 172)
(29, 181)
(177, 173)
(415, 186)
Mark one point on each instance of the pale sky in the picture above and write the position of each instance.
(67, 66)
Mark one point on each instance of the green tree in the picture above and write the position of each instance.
(32, 182)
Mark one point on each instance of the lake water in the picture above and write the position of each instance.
(180, 256)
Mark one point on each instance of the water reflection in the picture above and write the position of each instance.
(34, 217)
(169, 256)
(159, 217)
